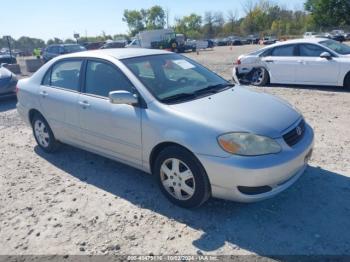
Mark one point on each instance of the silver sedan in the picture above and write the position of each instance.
(160, 112)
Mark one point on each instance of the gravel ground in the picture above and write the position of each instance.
(75, 202)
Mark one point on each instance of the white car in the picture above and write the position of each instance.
(313, 61)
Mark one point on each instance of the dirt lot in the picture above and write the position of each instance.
(75, 202)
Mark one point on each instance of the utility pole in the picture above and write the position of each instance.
(9, 44)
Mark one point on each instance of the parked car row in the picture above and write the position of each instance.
(337, 35)
(251, 39)
(308, 61)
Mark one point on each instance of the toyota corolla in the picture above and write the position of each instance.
(160, 112)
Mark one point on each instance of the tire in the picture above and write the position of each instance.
(181, 177)
(259, 76)
(43, 134)
(347, 81)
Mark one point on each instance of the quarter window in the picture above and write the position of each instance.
(66, 75)
(287, 50)
(102, 78)
(310, 50)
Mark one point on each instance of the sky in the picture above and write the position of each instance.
(46, 19)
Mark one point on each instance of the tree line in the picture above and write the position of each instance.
(261, 17)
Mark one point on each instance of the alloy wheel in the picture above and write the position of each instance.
(177, 179)
(41, 133)
(258, 76)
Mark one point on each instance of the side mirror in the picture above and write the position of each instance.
(326, 55)
(123, 98)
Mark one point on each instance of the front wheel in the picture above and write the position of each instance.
(259, 76)
(181, 177)
(43, 134)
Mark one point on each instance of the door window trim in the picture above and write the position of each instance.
(142, 103)
(325, 50)
(49, 71)
(295, 50)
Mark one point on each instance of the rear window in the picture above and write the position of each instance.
(287, 50)
(66, 75)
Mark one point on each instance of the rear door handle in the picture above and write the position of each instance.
(44, 94)
(269, 61)
(84, 104)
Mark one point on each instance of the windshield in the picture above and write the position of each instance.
(173, 78)
(337, 47)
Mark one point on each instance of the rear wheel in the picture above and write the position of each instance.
(259, 76)
(347, 81)
(181, 177)
(43, 134)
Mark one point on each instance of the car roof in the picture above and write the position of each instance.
(118, 53)
(299, 41)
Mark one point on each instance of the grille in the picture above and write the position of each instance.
(296, 134)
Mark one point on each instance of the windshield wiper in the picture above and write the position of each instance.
(213, 88)
(178, 97)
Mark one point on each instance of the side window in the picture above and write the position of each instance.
(310, 50)
(102, 78)
(287, 50)
(66, 75)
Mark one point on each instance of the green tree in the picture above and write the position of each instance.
(135, 21)
(208, 27)
(189, 25)
(54, 41)
(329, 13)
(155, 17)
(69, 41)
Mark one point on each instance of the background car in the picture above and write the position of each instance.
(7, 59)
(55, 50)
(269, 40)
(93, 46)
(313, 61)
(8, 82)
(114, 44)
(253, 39)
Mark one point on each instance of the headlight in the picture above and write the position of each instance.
(248, 144)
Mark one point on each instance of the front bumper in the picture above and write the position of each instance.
(274, 171)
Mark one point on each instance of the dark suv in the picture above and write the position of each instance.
(55, 50)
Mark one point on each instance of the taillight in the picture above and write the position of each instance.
(17, 89)
(238, 61)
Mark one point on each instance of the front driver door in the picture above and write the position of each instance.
(316, 70)
(112, 129)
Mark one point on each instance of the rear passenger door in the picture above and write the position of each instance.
(281, 62)
(112, 129)
(313, 69)
(59, 93)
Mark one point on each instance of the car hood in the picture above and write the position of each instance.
(241, 110)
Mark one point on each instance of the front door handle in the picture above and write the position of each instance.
(44, 94)
(269, 61)
(84, 104)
